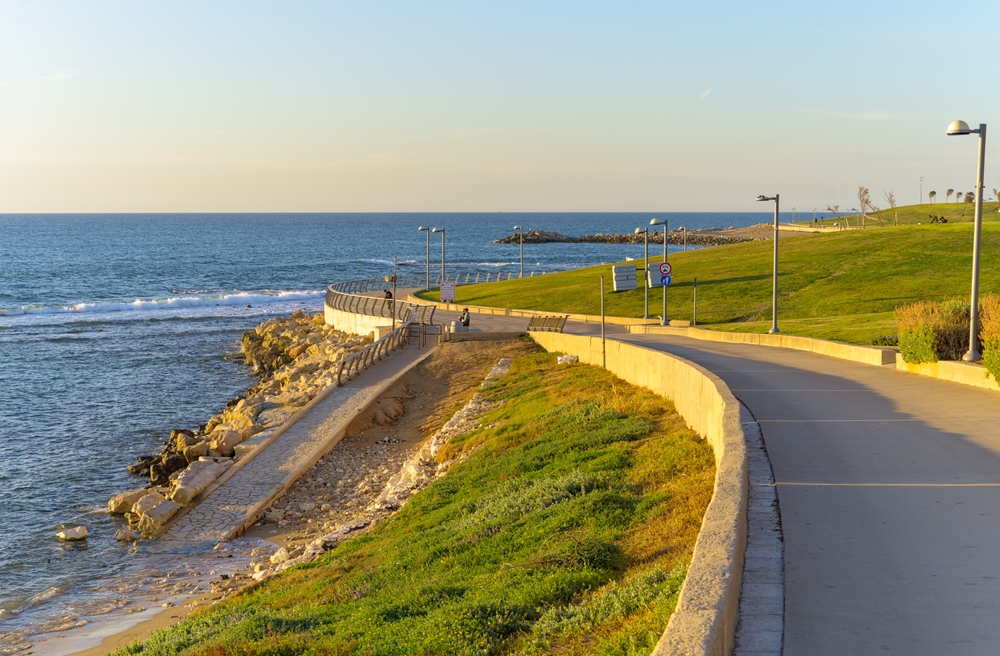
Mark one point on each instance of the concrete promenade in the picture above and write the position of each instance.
(889, 490)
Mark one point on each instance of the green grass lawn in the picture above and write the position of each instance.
(842, 286)
(919, 214)
(565, 528)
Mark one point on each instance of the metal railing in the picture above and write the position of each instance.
(374, 352)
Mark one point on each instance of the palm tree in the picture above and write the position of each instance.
(931, 195)
(947, 196)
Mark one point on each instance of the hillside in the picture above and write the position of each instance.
(843, 285)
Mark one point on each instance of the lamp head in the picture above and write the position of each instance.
(424, 228)
(517, 227)
(639, 231)
(762, 197)
(959, 127)
(437, 229)
(657, 222)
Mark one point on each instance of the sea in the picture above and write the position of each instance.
(117, 328)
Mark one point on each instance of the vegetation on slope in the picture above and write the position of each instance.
(566, 526)
(843, 286)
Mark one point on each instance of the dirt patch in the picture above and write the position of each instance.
(354, 472)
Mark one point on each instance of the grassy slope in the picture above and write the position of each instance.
(841, 286)
(914, 214)
(568, 528)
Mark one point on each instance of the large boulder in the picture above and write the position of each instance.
(192, 481)
(147, 502)
(225, 441)
(122, 503)
(73, 534)
(155, 517)
(195, 451)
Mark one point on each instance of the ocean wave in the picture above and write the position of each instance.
(175, 302)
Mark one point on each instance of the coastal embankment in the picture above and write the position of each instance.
(295, 357)
(699, 237)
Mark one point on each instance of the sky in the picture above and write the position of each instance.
(244, 106)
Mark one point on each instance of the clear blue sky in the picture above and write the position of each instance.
(683, 106)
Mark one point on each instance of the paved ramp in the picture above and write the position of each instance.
(889, 488)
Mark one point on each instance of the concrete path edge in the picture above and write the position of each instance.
(704, 622)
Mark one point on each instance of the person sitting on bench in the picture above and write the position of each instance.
(465, 317)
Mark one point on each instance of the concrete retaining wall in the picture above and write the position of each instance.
(967, 373)
(704, 622)
(513, 312)
(853, 352)
(358, 324)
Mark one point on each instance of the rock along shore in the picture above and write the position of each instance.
(706, 237)
(294, 357)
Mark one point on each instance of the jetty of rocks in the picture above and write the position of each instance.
(692, 237)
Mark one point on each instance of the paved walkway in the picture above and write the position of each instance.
(889, 489)
(270, 472)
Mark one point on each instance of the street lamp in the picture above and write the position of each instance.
(520, 230)
(958, 128)
(427, 281)
(774, 281)
(441, 230)
(645, 272)
(654, 222)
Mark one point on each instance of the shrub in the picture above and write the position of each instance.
(989, 334)
(931, 331)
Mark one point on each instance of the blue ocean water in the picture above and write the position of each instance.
(115, 329)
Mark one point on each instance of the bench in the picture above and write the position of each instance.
(547, 324)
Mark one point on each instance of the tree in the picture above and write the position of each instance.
(833, 208)
(891, 199)
(864, 198)
(932, 195)
(947, 195)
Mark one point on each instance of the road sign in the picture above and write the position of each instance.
(666, 269)
(448, 292)
(666, 281)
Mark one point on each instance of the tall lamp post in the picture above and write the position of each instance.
(654, 222)
(774, 281)
(645, 272)
(959, 128)
(441, 230)
(427, 281)
(520, 231)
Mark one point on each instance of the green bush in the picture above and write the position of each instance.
(989, 334)
(930, 331)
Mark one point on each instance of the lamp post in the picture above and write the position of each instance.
(774, 281)
(427, 281)
(921, 189)
(959, 128)
(441, 230)
(520, 230)
(645, 272)
(663, 318)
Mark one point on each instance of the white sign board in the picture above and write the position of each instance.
(448, 292)
(624, 278)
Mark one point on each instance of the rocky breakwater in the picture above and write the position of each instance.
(707, 237)
(295, 357)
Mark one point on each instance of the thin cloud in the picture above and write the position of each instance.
(707, 91)
(61, 75)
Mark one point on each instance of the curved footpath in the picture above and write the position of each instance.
(889, 489)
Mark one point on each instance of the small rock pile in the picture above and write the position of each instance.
(296, 357)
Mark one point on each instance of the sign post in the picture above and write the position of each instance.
(448, 292)
(666, 279)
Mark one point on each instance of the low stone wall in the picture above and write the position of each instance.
(864, 354)
(967, 373)
(704, 622)
(358, 324)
